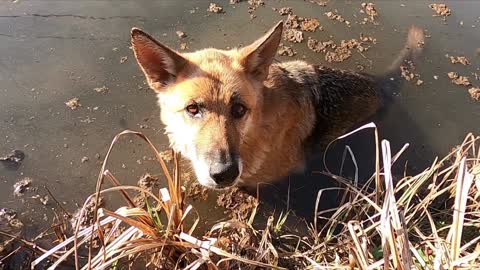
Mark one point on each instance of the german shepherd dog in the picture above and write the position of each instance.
(241, 119)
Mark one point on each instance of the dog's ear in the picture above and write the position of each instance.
(257, 57)
(159, 63)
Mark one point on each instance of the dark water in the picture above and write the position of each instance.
(52, 51)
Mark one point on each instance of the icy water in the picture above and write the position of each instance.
(53, 51)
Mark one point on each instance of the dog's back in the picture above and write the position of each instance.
(341, 99)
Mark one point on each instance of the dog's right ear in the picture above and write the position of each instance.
(258, 56)
(159, 63)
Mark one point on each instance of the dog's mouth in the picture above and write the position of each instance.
(220, 175)
(211, 184)
(222, 187)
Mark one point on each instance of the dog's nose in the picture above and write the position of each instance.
(224, 174)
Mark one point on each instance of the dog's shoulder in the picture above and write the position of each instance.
(337, 98)
(322, 84)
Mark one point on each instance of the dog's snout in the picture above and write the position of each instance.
(224, 174)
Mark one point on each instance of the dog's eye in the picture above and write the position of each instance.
(192, 109)
(238, 110)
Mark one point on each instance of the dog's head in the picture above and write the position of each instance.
(210, 100)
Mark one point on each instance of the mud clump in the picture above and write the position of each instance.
(358, 44)
(239, 204)
(340, 54)
(458, 80)
(474, 93)
(441, 10)
(459, 60)
(167, 155)
(21, 186)
(146, 182)
(285, 11)
(14, 158)
(301, 23)
(197, 192)
(286, 50)
(318, 46)
(253, 5)
(73, 103)
(292, 22)
(8, 221)
(183, 46)
(12, 226)
(370, 10)
(293, 35)
(44, 200)
(477, 77)
(322, 3)
(310, 25)
(215, 8)
(408, 73)
(181, 34)
(343, 51)
(336, 17)
(86, 218)
(364, 38)
(102, 89)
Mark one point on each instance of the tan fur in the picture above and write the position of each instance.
(287, 104)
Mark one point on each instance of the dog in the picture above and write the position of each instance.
(242, 119)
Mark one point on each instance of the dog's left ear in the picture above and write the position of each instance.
(258, 56)
(159, 63)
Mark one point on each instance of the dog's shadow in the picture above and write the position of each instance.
(299, 191)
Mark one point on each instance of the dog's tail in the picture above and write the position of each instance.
(412, 49)
(391, 81)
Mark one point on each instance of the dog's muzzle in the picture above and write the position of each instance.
(224, 174)
(224, 169)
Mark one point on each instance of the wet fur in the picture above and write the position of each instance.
(294, 107)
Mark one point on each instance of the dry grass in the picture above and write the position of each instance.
(417, 224)
(157, 236)
(427, 221)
